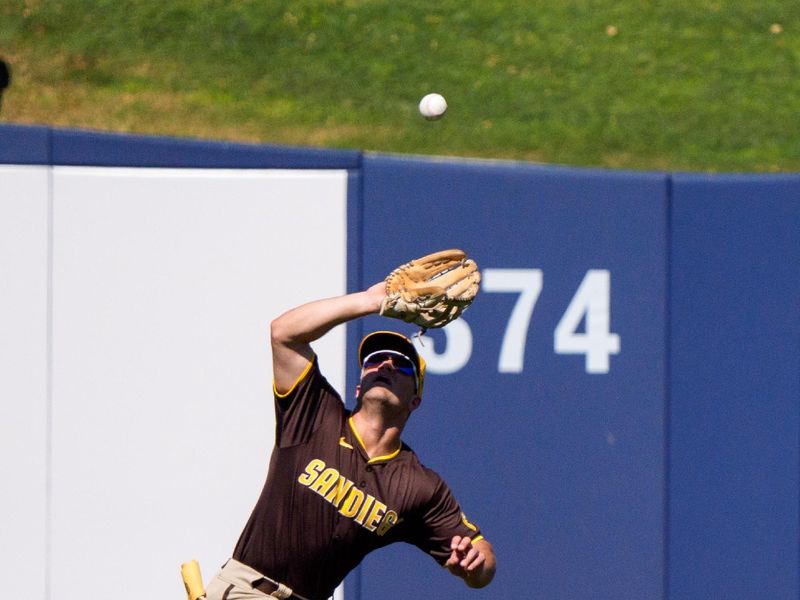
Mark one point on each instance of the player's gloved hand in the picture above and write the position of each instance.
(432, 290)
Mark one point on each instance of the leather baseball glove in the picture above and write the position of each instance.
(432, 290)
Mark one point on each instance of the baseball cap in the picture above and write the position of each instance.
(396, 342)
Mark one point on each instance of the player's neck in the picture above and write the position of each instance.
(380, 436)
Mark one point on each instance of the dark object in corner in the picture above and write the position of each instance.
(5, 79)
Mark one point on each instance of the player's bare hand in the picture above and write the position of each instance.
(471, 561)
(464, 557)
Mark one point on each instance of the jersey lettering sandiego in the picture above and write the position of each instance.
(342, 493)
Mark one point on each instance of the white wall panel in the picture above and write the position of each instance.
(23, 379)
(164, 283)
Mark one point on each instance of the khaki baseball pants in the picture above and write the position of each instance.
(234, 582)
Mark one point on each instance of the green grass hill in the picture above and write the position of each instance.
(700, 85)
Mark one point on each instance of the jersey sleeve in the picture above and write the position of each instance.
(304, 408)
(442, 519)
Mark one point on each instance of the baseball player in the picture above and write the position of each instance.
(341, 483)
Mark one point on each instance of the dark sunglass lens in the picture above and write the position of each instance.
(401, 362)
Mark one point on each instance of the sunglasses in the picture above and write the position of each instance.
(399, 361)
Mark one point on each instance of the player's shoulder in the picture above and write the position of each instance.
(424, 474)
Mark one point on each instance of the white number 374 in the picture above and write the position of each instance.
(590, 305)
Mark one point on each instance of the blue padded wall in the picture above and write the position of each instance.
(735, 379)
(563, 469)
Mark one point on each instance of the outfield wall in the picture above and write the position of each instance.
(619, 410)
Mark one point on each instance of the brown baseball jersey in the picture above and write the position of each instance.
(326, 504)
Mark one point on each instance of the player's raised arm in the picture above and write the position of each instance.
(429, 291)
(291, 333)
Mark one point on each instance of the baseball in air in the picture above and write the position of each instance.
(432, 106)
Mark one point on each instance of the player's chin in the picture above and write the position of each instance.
(377, 388)
(383, 393)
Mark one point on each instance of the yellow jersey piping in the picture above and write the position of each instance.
(361, 443)
(296, 383)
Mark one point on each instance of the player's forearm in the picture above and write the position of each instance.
(292, 333)
(309, 322)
